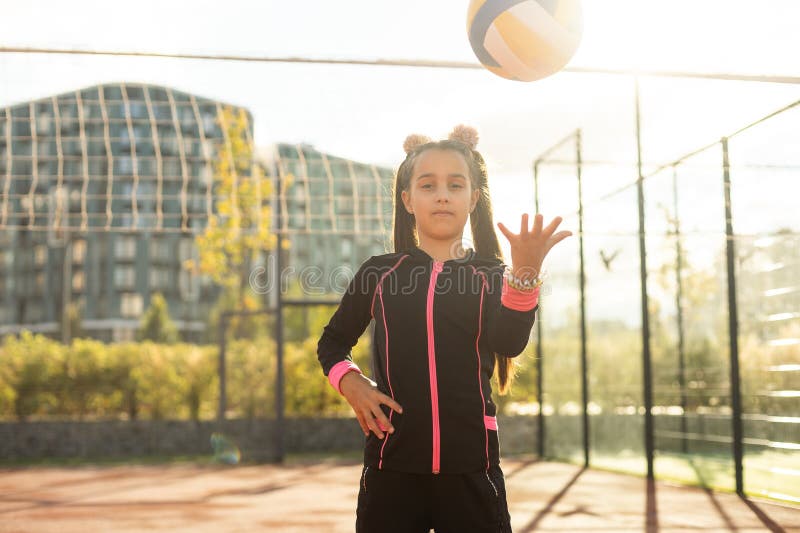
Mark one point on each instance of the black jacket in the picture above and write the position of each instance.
(438, 324)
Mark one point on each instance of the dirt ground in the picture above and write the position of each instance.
(321, 496)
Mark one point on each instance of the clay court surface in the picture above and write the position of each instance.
(321, 496)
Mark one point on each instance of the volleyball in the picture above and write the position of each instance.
(524, 40)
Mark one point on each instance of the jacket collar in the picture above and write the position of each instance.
(416, 251)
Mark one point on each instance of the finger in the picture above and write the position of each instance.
(523, 225)
(505, 231)
(537, 224)
(363, 424)
(561, 235)
(548, 231)
(383, 421)
(373, 425)
(557, 238)
(386, 400)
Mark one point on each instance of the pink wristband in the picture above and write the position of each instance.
(517, 299)
(339, 370)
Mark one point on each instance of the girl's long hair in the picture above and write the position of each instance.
(481, 221)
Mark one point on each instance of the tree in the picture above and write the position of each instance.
(156, 325)
(238, 232)
(73, 320)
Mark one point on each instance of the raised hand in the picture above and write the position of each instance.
(529, 248)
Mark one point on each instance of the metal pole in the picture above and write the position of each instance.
(646, 356)
(279, 378)
(539, 350)
(584, 363)
(222, 328)
(66, 291)
(679, 307)
(733, 323)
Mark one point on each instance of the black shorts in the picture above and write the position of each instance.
(401, 502)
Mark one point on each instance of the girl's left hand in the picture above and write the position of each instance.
(529, 248)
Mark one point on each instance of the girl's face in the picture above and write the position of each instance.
(440, 194)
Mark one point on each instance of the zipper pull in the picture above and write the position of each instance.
(438, 265)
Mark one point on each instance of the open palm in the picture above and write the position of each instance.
(529, 247)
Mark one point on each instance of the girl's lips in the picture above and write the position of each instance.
(442, 213)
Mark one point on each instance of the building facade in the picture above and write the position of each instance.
(104, 189)
(335, 212)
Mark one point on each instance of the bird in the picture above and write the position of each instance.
(607, 259)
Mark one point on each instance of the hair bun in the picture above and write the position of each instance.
(414, 140)
(466, 134)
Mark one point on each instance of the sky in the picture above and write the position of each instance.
(365, 112)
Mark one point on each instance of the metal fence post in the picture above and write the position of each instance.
(279, 378)
(584, 358)
(733, 323)
(222, 328)
(646, 355)
(679, 308)
(539, 350)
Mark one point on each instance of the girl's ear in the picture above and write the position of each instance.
(404, 197)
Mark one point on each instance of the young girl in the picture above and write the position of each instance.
(445, 318)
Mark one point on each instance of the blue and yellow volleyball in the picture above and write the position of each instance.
(524, 40)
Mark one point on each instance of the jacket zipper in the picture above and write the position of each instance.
(437, 267)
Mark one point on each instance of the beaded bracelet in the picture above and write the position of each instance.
(520, 284)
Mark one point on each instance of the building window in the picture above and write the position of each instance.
(40, 255)
(40, 282)
(189, 286)
(43, 123)
(347, 248)
(160, 249)
(33, 313)
(125, 247)
(79, 251)
(159, 278)
(77, 282)
(186, 249)
(205, 174)
(124, 277)
(130, 304)
(123, 165)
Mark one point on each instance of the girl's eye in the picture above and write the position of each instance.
(457, 185)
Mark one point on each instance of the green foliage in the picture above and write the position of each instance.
(82, 383)
(43, 379)
(156, 325)
(199, 371)
(238, 233)
(124, 378)
(311, 394)
(251, 378)
(29, 368)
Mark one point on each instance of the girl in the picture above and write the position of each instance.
(445, 318)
